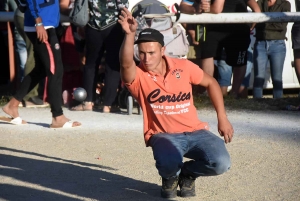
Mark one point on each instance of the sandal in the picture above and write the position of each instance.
(82, 107)
(68, 124)
(109, 109)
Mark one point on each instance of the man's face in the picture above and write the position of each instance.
(150, 54)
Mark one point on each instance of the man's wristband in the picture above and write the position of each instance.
(39, 24)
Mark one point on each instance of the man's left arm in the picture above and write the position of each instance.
(214, 91)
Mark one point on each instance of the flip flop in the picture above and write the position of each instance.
(68, 124)
(15, 121)
(80, 107)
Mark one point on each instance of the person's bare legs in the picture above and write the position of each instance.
(208, 66)
(59, 121)
(224, 90)
(243, 92)
(11, 108)
(238, 76)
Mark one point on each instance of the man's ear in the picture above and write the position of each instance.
(163, 50)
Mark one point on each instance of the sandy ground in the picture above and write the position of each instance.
(106, 159)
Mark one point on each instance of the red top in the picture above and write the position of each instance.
(167, 102)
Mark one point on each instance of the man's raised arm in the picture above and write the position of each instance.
(127, 64)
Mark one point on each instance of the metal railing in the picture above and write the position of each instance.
(206, 18)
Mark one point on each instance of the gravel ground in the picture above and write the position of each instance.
(106, 159)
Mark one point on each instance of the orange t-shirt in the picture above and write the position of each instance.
(167, 102)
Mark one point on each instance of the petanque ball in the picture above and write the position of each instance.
(79, 94)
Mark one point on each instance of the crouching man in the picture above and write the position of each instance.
(163, 88)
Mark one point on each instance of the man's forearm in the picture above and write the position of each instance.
(216, 97)
(126, 51)
(128, 68)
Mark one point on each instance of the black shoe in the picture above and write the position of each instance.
(187, 186)
(36, 100)
(169, 187)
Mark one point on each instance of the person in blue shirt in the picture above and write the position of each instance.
(40, 20)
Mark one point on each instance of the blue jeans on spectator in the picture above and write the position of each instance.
(225, 71)
(20, 47)
(207, 152)
(246, 80)
(274, 51)
(22, 54)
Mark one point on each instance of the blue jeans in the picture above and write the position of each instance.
(225, 71)
(207, 151)
(22, 53)
(274, 51)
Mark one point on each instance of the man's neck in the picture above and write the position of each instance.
(162, 68)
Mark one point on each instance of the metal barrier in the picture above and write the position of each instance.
(9, 17)
(250, 17)
(207, 18)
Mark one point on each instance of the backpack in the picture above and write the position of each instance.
(22, 5)
(79, 14)
(175, 37)
(149, 7)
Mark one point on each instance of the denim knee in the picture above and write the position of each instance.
(167, 154)
(221, 164)
(168, 167)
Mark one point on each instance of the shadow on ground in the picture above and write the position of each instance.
(66, 180)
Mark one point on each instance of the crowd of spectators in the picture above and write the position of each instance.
(90, 53)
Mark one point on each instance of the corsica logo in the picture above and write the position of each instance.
(154, 97)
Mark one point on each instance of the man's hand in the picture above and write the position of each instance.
(204, 6)
(225, 129)
(128, 23)
(252, 27)
(40, 30)
(41, 33)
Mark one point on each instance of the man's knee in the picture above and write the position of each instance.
(169, 167)
(221, 164)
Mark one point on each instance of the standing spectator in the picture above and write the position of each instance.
(270, 45)
(40, 21)
(102, 31)
(20, 46)
(70, 56)
(235, 38)
(194, 35)
(24, 52)
(296, 44)
(225, 73)
(33, 98)
(4, 75)
(163, 87)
